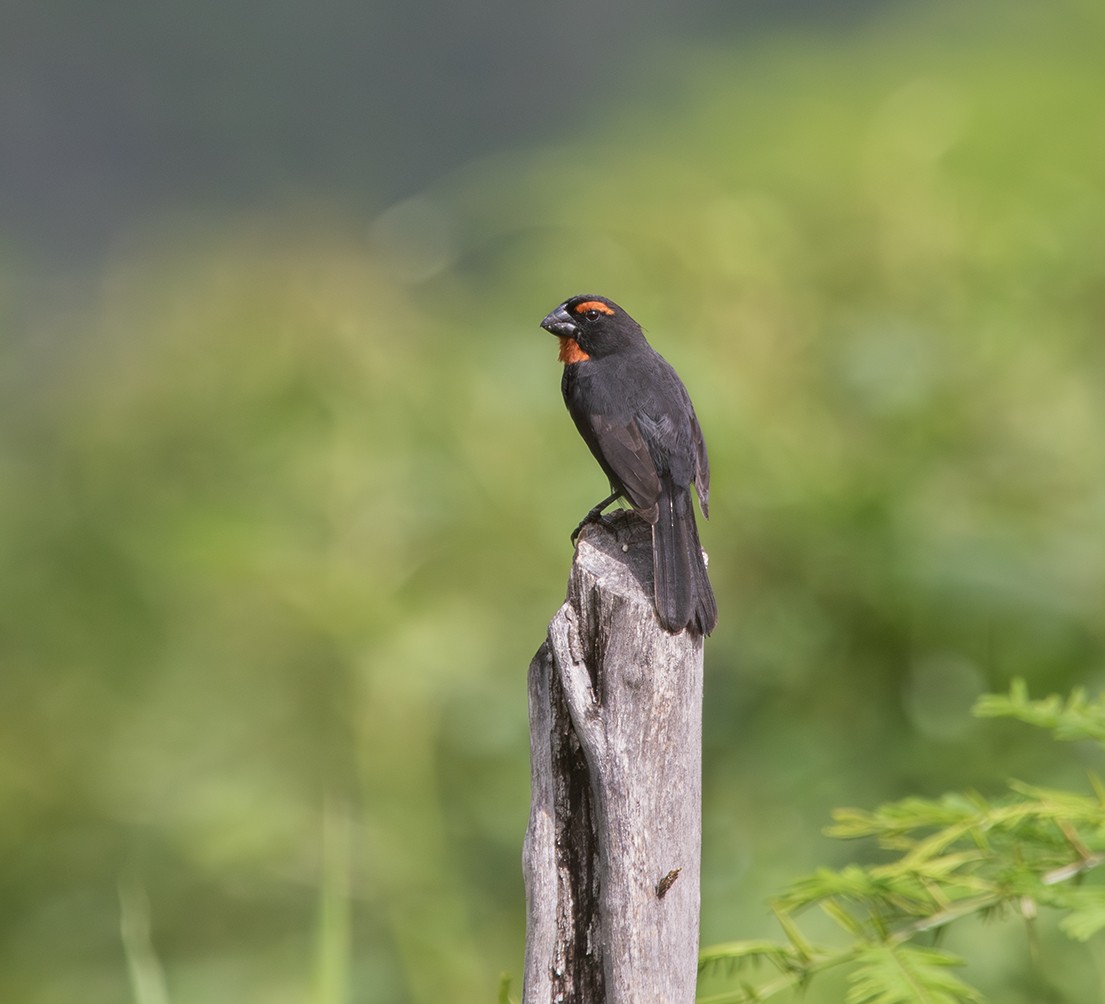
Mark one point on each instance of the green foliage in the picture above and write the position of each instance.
(955, 857)
(885, 974)
(1075, 717)
(505, 996)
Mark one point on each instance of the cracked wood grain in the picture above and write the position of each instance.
(612, 852)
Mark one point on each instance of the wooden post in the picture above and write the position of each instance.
(611, 855)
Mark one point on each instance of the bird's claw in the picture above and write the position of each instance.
(592, 517)
(595, 515)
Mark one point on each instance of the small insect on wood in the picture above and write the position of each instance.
(667, 882)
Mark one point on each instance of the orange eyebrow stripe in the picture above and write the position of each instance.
(582, 308)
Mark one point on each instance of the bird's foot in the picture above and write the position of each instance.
(595, 515)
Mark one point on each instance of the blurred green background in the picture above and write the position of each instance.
(286, 481)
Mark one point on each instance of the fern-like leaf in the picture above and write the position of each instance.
(899, 974)
(1085, 906)
(1071, 718)
(953, 857)
(738, 953)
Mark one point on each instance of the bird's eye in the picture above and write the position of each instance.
(592, 315)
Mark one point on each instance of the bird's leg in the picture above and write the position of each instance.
(596, 513)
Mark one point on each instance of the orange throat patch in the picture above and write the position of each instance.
(570, 352)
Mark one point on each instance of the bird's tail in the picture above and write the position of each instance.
(684, 597)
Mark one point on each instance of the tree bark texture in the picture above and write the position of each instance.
(611, 855)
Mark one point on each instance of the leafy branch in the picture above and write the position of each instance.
(1073, 717)
(957, 856)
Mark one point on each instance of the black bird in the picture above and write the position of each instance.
(634, 413)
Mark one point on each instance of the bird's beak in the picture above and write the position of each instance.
(560, 322)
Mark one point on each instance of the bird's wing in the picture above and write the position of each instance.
(626, 453)
(701, 467)
(691, 444)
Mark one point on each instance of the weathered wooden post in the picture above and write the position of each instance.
(612, 852)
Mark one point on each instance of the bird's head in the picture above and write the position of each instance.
(591, 326)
